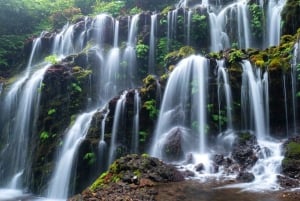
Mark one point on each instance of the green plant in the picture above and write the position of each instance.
(256, 13)
(143, 136)
(76, 87)
(90, 158)
(199, 29)
(150, 105)
(135, 10)
(44, 135)
(220, 118)
(142, 50)
(52, 59)
(113, 7)
(51, 111)
(236, 56)
(41, 87)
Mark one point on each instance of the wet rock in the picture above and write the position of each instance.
(199, 167)
(291, 161)
(244, 150)
(189, 158)
(188, 173)
(245, 177)
(172, 150)
(287, 182)
(218, 159)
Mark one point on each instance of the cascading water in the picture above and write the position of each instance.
(59, 184)
(21, 103)
(129, 57)
(136, 121)
(102, 146)
(273, 22)
(119, 111)
(152, 43)
(235, 16)
(253, 101)
(224, 88)
(294, 69)
(172, 26)
(183, 109)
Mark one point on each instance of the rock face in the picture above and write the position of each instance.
(127, 178)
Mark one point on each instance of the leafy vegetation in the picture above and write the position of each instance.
(44, 136)
(90, 157)
(257, 17)
(150, 105)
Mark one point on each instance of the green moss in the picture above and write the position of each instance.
(236, 55)
(174, 57)
(149, 80)
(81, 73)
(293, 150)
(100, 182)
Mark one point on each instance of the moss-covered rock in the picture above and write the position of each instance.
(175, 56)
(131, 167)
(291, 161)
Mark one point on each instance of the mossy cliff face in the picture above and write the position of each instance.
(64, 93)
(290, 18)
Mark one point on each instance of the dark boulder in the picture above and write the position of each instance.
(172, 149)
(245, 177)
(244, 150)
(287, 182)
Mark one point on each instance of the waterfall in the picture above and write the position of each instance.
(24, 109)
(188, 42)
(172, 26)
(285, 105)
(274, 22)
(1, 88)
(244, 37)
(119, 111)
(252, 100)
(110, 74)
(294, 78)
(152, 44)
(102, 144)
(183, 107)
(59, 184)
(20, 105)
(224, 87)
(100, 24)
(136, 121)
(129, 57)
